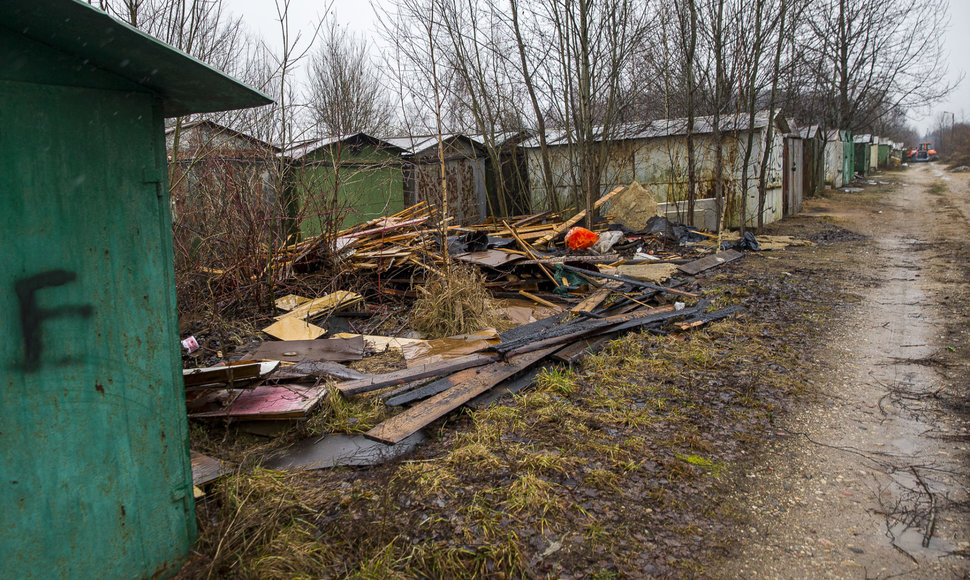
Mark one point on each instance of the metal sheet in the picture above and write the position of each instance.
(95, 479)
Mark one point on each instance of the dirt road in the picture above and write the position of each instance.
(871, 481)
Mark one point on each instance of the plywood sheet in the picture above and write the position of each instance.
(206, 469)
(708, 262)
(381, 343)
(294, 329)
(318, 306)
(431, 351)
(325, 349)
(264, 402)
(290, 301)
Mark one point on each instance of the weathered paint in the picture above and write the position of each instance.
(349, 181)
(659, 164)
(861, 157)
(465, 170)
(793, 179)
(848, 159)
(883, 155)
(839, 158)
(95, 471)
(95, 478)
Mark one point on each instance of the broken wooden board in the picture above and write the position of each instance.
(227, 374)
(571, 331)
(655, 273)
(319, 306)
(325, 349)
(575, 352)
(703, 318)
(604, 259)
(381, 343)
(402, 376)
(317, 369)
(294, 329)
(708, 262)
(652, 286)
(521, 311)
(440, 349)
(338, 450)
(537, 299)
(563, 227)
(263, 402)
(597, 297)
(509, 386)
(490, 258)
(290, 301)
(206, 469)
(400, 426)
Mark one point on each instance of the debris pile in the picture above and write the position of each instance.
(562, 304)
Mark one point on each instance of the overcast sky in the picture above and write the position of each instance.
(260, 16)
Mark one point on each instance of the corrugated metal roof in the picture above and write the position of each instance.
(418, 144)
(304, 148)
(222, 128)
(185, 84)
(668, 128)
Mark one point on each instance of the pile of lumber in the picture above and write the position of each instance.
(431, 391)
(445, 374)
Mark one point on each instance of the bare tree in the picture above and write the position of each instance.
(346, 93)
(871, 58)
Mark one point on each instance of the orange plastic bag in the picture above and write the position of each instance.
(580, 238)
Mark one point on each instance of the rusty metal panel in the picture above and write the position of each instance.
(464, 178)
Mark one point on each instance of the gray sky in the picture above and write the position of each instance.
(260, 16)
(957, 42)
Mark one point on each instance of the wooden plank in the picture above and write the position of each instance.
(206, 469)
(604, 259)
(382, 343)
(387, 228)
(400, 426)
(225, 374)
(332, 349)
(264, 402)
(434, 387)
(597, 297)
(509, 386)
(415, 374)
(538, 300)
(314, 369)
(290, 301)
(573, 330)
(630, 281)
(293, 328)
(563, 227)
(703, 318)
(448, 348)
(322, 305)
(708, 262)
(530, 219)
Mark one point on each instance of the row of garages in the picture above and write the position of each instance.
(359, 177)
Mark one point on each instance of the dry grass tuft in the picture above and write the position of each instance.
(454, 302)
(261, 530)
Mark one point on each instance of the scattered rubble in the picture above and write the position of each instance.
(560, 305)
